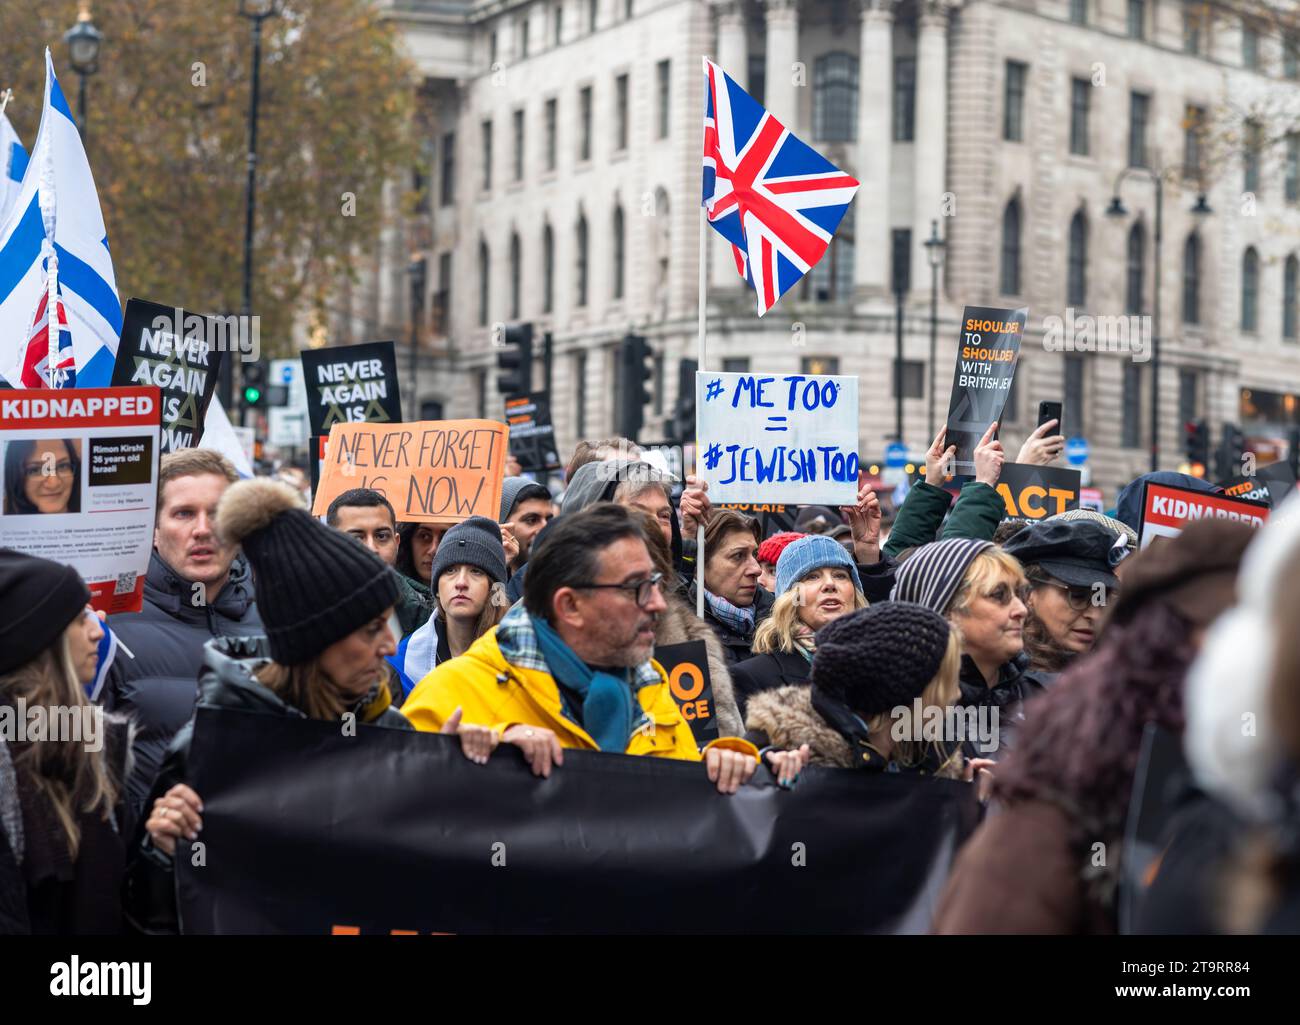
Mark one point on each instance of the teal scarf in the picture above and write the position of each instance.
(607, 703)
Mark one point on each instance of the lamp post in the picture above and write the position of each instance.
(1117, 209)
(934, 252)
(83, 41)
(417, 269)
(256, 11)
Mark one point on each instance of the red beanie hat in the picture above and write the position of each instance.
(770, 550)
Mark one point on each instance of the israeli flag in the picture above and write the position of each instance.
(13, 163)
(57, 202)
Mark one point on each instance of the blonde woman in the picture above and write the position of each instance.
(860, 711)
(816, 582)
(62, 812)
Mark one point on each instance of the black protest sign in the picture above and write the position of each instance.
(1033, 492)
(988, 347)
(687, 666)
(351, 384)
(180, 353)
(532, 438)
(1161, 778)
(316, 458)
(1271, 483)
(492, 848)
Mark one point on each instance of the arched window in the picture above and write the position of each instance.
(1250, 290)
(831, 278)
(835, 97)
(580, 238)
(1192, 279)
(1011, 248)
(515, 272)
(1076, 280)
(1290, 282)
(483, 266)
(619, 251)
(1135, 276)
(548, 269)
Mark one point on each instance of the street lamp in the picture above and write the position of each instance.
(934, 252)
(417, 269)
(1117, 209)
(83, 41)
(256, 11)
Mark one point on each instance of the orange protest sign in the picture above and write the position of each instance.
(434, 471)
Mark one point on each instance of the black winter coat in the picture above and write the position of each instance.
(768, 671)
(158, 687)
(226, 681)
(1016, 684)
(736, 646)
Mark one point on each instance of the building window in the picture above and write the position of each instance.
(492, 49)
(420, 186)
(1250, 290)
(735, 365)
(515, 273)
(627, 9)
(619, 249)
(580, 394)
(757, 76)
(1139, 110)
(593, 9)
(484, 266)
(913, 378)
(557, 24)
(662, 96)
(904, 98)
(584, 123)
(620, 113)
(551, 119)
(1076, 283)
(1137, 19)
(1013, 108)
(1080, 97)
(1073, 412)
(1292, 182)
(441, 308)
(1289, 287)
(1192, 279)
(1188, 387)
(1135, 277)
(831, 278)
(1011, 248)
(1249, 47)
(1079, 12)
(487, 155)
(580, 240)
(447, 193)
(824, 365)
(1193, 129)
(1290, 65)
(523, 36)
(1250, 156)
(548, 269)
(1130, 432)
(519, 144)
(835, 97)
(1193, 17)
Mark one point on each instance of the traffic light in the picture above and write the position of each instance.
(515, 360)
(255, 384)
(633, 377)
(1196, 446)
(684, 411)
(1228, 456)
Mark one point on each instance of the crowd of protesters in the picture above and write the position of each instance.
(539, 629)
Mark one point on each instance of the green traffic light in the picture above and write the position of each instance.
(252, 395)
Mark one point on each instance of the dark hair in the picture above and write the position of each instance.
(728, 521)
(405, 564)
(1044, 652)
(570, 554)
(1006, 530)
(16, 453)
(359, 498)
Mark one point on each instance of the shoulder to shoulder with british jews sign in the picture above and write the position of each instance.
(351, 384)
(80, 484)
(786, 438)
(987, 351)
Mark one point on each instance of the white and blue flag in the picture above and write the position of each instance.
(56, 212)
(13, 163)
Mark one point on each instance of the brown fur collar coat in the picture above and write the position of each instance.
(678, 625)
(787, 717)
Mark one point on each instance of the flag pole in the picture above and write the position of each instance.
(704, 284)
(52, 313)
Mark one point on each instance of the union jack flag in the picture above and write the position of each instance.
(774, 198)
(36, 356)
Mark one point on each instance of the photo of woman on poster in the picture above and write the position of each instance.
(42, 476)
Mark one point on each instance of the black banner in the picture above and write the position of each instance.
(1033, 492)
(181, 354)
(532, 438)
(351, 384)
(307, 830)
(988, 347)
(1271, 483)
(687, 666)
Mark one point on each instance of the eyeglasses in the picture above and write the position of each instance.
(35, 471)
(642, 589)
(1079, 598)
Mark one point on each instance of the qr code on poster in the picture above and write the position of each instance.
(125, 583)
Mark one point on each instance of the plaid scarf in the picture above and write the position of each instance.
(805, 641)
(738, 620)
